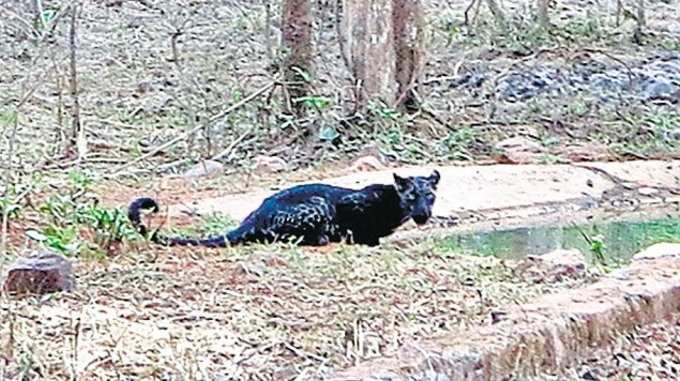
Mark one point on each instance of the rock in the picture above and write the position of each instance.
(270, 164)
(521, 86)
(648, 191)
(206, 168)
(367, 163)
(555, 266)
(587, 152)
(144, 87)
(673, 135)
(519, 150)
(657, 87)
(39, 273)
(659, 250)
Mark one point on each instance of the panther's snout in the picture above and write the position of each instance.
(421, 219)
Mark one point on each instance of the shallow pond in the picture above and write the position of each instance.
(621, 239)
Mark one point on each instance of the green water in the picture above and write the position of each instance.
(621, 239)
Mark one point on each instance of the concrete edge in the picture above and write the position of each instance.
(547, 335)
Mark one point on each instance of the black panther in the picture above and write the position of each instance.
(316, 214)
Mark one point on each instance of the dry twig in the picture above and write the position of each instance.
(185, 134)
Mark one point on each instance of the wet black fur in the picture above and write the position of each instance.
(316, 214)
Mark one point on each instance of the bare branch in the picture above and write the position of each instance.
(182, 136)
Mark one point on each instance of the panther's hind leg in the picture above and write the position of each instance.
(307, 222)
(315, 239)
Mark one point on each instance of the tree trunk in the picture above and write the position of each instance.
(297, 41)
(370, 42)
(497, 13)
(77, 139)
(408, 45)
(543, 18)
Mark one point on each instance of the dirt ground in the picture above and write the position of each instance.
(476, 197)
(279, 312)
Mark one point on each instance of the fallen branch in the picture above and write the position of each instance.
(184, 135)
(230, 148)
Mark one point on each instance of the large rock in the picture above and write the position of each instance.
(39, 273)
(660, 250)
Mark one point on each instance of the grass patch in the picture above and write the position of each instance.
(260, 310)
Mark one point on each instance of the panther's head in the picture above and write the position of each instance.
(416, 195)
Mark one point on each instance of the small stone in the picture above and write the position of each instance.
(555, 266)
(497, 316)
(39, 273)
(648, 191)
(657, 88)
(206, 168)
(144, 87)
(672, 135)
(519, 150)
(367, 163)
(270, 164)
(658, 251)
(285, 373)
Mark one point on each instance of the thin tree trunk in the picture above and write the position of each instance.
(497, 13)
(77, 138)
(297, 41)
(370, 41)
(268, 30)
(638, 33)
(543, 19)
(408, 45)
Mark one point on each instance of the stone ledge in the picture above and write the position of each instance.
(547, 335)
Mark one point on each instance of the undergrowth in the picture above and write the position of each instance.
(74, 223)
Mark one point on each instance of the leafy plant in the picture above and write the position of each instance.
(79, 224)
(107, 226)
(61, 239)
(316, 101)
(7, 205)
(598, 250)
(382, 111)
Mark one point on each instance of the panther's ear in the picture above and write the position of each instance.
(402, 183)
(434, 178)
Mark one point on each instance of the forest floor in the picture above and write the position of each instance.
(281, 312)
(587, 90)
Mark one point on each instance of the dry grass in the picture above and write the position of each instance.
(251, 313)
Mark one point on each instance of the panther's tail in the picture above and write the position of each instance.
(148, 203)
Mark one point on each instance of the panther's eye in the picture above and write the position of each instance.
(429, 196)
